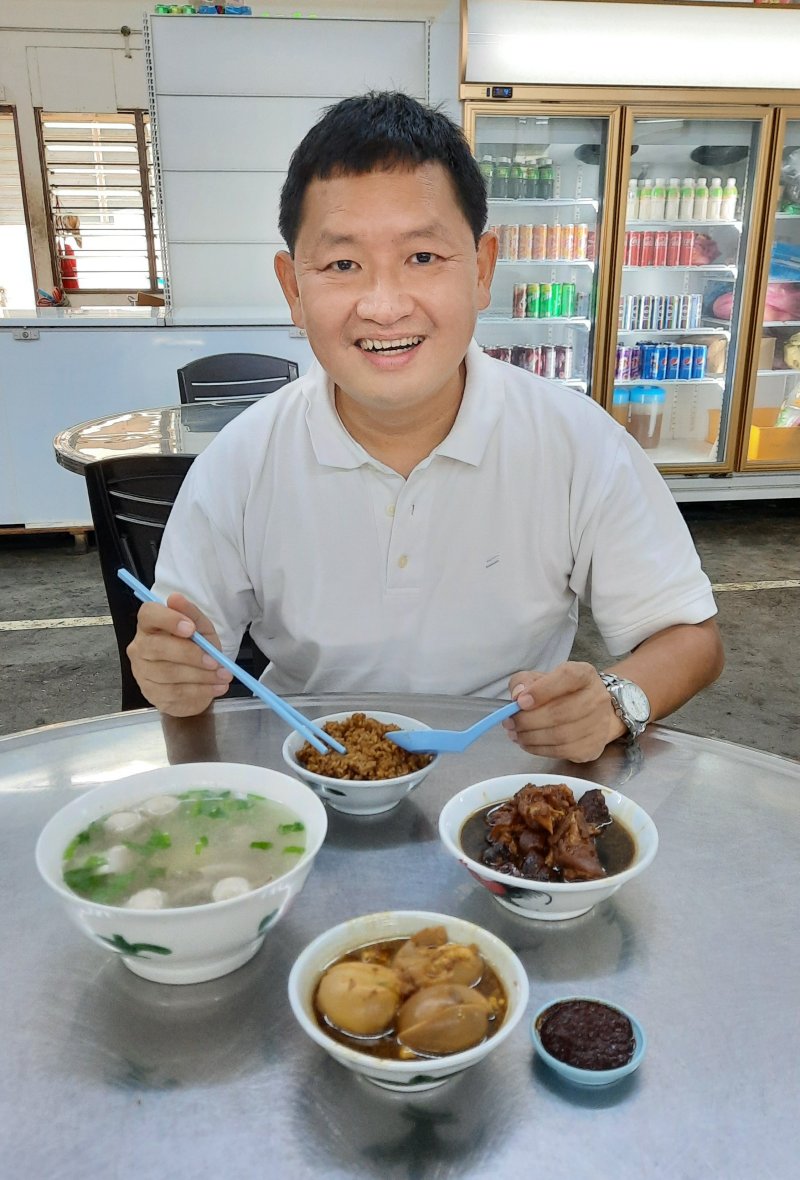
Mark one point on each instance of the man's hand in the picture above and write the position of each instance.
(566, 713)
(174, 674)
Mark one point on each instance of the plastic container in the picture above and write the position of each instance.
(632, 210)
(730, 195)
(715, 199)
(646, 414)
(672, 207)
(686, 209)
(658, 201)
(701, 199)
(620, 405)
(645, 199)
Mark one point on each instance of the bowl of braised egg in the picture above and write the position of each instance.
(408, 999)
(373, 776)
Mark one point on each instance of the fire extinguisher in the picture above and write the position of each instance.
(69, 269)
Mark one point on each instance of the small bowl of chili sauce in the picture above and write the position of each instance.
(588, 1041)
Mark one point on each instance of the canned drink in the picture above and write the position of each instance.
(563, 362)
(626, 313)
(533, 295)
(582, 304)
(515, 351)
(545, 300)
(509, 240)
(673, 247)
(539, 242)
(659, 308)
(695, 310)
(648, 248)
(687, 248)
(635, 248)
(537, 359)
(519, 301)
(623, 365)
(660, 249)
(687, 357)
(699, 361)
(568, 300)
(548, 361)
(504, 354)
(527, 358)
(684, 311)
(673, 362)
(567, 242)
(662, 358)
(645, 316)
(671, 312)
(525, 242)
(553, 241)
(581, 244)
(648, 365)
(636, 362)
(591, 240)
(555, 308)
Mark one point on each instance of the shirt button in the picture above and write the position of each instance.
(390, 509)
(402, 561)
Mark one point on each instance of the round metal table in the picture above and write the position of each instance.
(107, 1072)
(171, 430)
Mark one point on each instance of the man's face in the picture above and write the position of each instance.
(387, 282)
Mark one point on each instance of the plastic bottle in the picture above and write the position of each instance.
(487, 172)
(729, 197)
(632, 210)
(672, 206)
(715, 199)
(646, 199)
(531, 177)
(546, 179)
(502, 172)
(516, 179)
(701, 199)
(658, 201)
(789, 413)
(686, 210)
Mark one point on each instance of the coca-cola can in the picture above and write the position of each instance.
(687, 247)
(660, 249)
(648, 248)
(673, 247)
(634, 251)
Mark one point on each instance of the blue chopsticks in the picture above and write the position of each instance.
(311, 732)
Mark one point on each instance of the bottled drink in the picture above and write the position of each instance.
(516, 180)
(673, 202)
(658, 200)
(715, 199)
(646, 199)
(701, 199)
(729, 196)
(531, 177)
(502, 173)
(632, 210)
(546, 179)
(487, 172)
(686, 210)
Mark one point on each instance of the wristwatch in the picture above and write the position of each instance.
(630, 702)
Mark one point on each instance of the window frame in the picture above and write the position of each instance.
(8, 109)
(139, 114)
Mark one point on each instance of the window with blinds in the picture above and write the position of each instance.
(104, 234)
(16, 272)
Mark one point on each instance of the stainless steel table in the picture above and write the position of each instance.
(172, 430)
(108, 1074)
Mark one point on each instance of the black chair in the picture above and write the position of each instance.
(246, 376)
(131, 498)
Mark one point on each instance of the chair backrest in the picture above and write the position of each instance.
(131, 498)
(245, 376)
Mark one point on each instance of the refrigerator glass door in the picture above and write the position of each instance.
(774, 428)
(545, 176)
(688, 221)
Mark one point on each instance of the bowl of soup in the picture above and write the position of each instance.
(375, 774)
(548, 847)
(183, 870)
(408, 999)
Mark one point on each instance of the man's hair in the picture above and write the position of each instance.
(380, 132)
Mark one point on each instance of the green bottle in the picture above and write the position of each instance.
(487, 172)
(516, 180)
(502, 173)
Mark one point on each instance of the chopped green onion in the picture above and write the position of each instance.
(201, 844)
(297, 826)
(294, 848)
(263, 844)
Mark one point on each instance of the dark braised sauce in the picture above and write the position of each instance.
(587, 1034)
(387, 1046)
(616, 847)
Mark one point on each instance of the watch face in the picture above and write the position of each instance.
(635, 702)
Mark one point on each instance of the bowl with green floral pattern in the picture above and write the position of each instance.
(183, 870)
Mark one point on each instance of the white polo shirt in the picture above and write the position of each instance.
(356, 579)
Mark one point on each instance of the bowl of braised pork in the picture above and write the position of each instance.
(545, 846)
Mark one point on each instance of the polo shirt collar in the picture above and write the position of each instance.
(480, 411)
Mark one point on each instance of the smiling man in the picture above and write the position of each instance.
(412, 515)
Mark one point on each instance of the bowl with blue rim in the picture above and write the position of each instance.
(588, 1041)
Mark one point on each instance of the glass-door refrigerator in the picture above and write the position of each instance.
(684, 277)
(548, 178)
(771, 437)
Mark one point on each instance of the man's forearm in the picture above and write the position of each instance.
(674, 664)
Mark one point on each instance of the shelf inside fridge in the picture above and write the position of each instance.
(737, 225)
(543, 321)
(585, 262)
(701, 330)
(721, 269)
(687, 382)
(552, 202)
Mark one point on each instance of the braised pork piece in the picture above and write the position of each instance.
(542, 834)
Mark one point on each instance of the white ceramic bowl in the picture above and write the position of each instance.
(353, 796)
(589, 1077)
(193, 943)
(403, 1075)
(549, 901)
